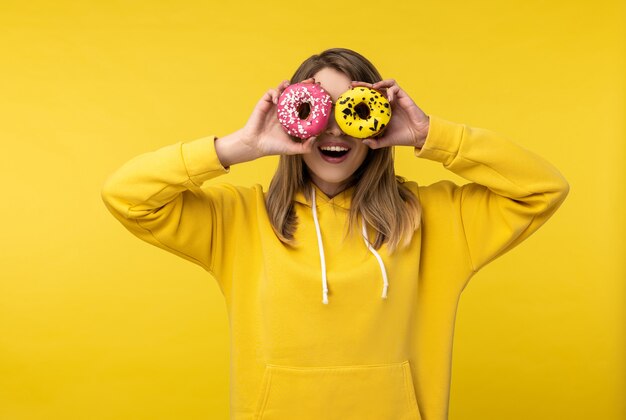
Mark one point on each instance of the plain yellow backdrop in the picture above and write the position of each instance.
(96, 324)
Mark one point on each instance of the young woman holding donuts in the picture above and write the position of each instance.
(342, 280)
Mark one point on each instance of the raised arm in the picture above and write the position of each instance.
(513, 191)
(158, 195)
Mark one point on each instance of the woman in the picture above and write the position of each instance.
(389, 257)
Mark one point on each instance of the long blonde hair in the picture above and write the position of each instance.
(379, 195)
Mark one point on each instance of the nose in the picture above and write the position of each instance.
(332, 129)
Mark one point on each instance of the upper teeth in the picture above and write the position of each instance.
(335, 148)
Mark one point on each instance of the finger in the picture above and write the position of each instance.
(273, 95)
(371, 143)
(355, 83)
(307, 145)
(280, 88)
(387, 83)
(392, 92)
(265, 103)
(298, 146)
(283, 85)
(377, 143)
(269, 96)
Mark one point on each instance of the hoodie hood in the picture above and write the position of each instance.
(317, 198)
(343, 199)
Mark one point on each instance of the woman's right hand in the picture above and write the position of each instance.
(263, 135)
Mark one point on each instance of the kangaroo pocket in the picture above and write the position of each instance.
(377, 392)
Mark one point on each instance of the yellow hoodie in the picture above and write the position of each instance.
(372, 351)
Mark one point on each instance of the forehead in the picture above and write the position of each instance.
(333, 81)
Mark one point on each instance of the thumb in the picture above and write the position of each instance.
(307, 146)
(377, 143)
(304, 147)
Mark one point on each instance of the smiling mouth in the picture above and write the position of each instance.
(334, 151)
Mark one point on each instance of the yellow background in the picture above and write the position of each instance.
(96, 324)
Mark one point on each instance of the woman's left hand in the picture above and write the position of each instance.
(408, 125)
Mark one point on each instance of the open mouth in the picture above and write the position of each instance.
(334, 152)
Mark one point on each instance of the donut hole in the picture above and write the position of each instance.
(362, 110)
(304, 109)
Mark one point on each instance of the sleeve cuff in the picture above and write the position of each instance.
(201, 161)
(442, 142)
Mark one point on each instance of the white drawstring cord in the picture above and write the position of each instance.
(320, 247)
(380, 260)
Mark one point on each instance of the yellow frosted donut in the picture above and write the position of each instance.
(362, 112)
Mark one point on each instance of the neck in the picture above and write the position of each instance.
(329, 188)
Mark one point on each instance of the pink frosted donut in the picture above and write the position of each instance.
(304, 109)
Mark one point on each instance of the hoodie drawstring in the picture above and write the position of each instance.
(323, 258)
(378, 257)
(320, 246)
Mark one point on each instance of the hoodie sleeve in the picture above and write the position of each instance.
(513, 191)
(157, 196)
